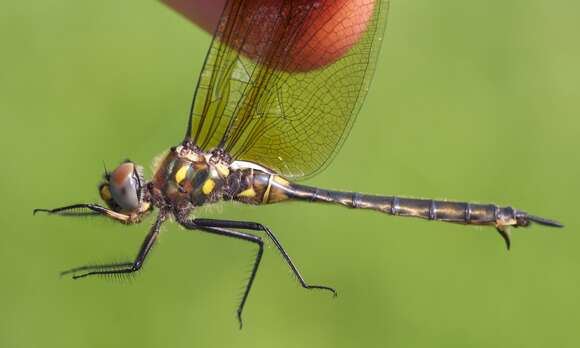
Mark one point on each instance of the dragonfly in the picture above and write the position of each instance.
(259, 122)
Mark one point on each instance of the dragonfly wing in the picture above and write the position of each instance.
(259, 102)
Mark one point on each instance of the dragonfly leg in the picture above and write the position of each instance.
(103, 267)
(192, 225)
(254, 226)
(85, 209)
(124, 267)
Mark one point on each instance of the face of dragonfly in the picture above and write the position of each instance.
(123, 188)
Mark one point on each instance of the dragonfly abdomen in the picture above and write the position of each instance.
(254, 186)
(457, 212)
(258, 187)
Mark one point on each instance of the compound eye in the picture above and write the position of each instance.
(125, 185)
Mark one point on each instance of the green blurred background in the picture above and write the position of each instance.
(472, 100)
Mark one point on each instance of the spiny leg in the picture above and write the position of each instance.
(254, 226)
(191, 225)
(129, 267)
(103, 267)
(84, 209)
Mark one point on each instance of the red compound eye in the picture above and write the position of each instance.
(124, 186)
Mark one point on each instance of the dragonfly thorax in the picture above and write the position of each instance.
(188, 177)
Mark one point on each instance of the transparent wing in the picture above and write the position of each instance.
(284, 79)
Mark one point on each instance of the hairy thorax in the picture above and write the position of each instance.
(189, 178)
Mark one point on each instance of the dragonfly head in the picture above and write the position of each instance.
(123, 188)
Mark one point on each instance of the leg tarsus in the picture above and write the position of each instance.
(128, 270)
(321, 287)
(239, 312)
(96, 267)
(86, 209)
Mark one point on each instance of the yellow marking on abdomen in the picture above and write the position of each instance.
(181, 174)
(266, 196)
(249, 193)
(208, 186)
